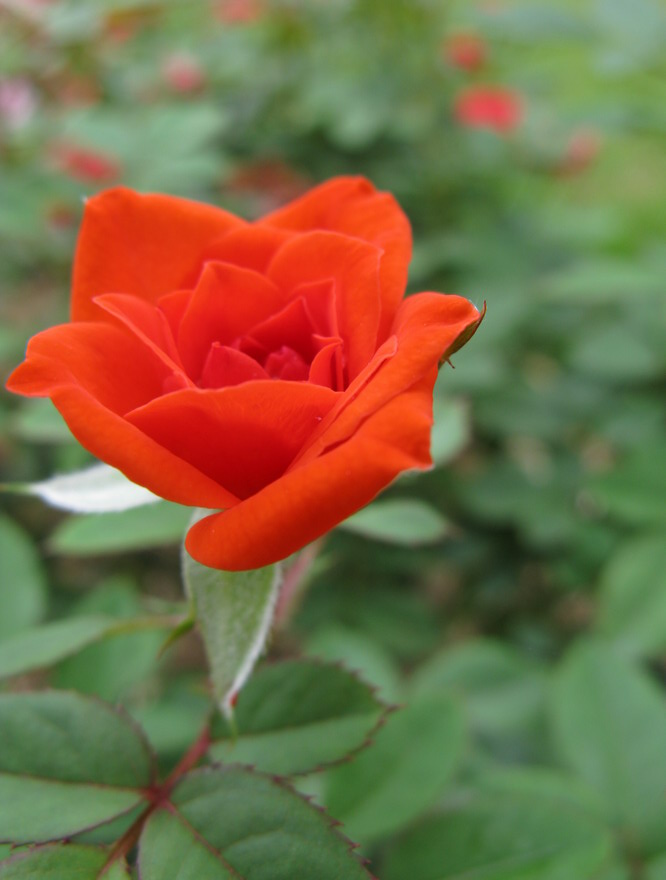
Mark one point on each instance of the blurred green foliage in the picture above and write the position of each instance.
(525, 624)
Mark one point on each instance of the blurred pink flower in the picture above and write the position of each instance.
(183, 73)
(492, 107)
(18, 102)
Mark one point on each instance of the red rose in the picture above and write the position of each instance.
(270, 370)
(493, 107)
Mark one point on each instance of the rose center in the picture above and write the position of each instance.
(228, 365)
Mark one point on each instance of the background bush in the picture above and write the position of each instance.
(515, 598)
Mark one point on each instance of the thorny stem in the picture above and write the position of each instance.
(158, 796)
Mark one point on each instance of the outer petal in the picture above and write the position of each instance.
(427, 327)
(243, 436)
(310, 500)
(320, 207)
(108, 362)
(146, 245)
(353, 266)
(252, 246)
(113, 440)
(353, 206)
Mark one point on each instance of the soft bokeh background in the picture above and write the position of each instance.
(525, 575)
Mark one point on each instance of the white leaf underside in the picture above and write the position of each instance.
(96, 489)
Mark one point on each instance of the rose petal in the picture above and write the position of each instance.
(291, 327)
(354, 266)
(326, 366)
(320, 207)
(252, 246)
(319, 298)
(113, 440)
(242, 437)
(106, 361)
(173, 306)
(380, 220)
(147, 323)
(426, 328)
(227, 303)
(227, 366)
(353, 206)
(307, 502)
(285, 363)
(145, 245)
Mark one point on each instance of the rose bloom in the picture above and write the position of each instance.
(269, 370)
(465, 50)
(492, 107)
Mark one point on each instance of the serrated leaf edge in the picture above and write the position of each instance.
(384, 709)
(281, 782)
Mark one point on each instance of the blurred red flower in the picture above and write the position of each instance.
(238, 11)
(85, 164)
(468, 51)
(493, 107)
(271, 182)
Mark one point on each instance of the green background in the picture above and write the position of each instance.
(517, 605)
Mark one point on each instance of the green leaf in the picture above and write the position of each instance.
(297, 716)
(234, 610)
(174, 718)
(360, 653)
(67, 763)
(96, 489)
(614, 870)
(44, 645)
(235, 823)
(450, 430)
(656, 869)
(129, 530)
(632, 606)
(110, 667)
(38, 421)
(412, 759)
(514, 826)
(601, 281)
(610, 726)
(406, 522)
(502, 691)
(635, 490)
(616, 352)
(61, 862)
(23, 584)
